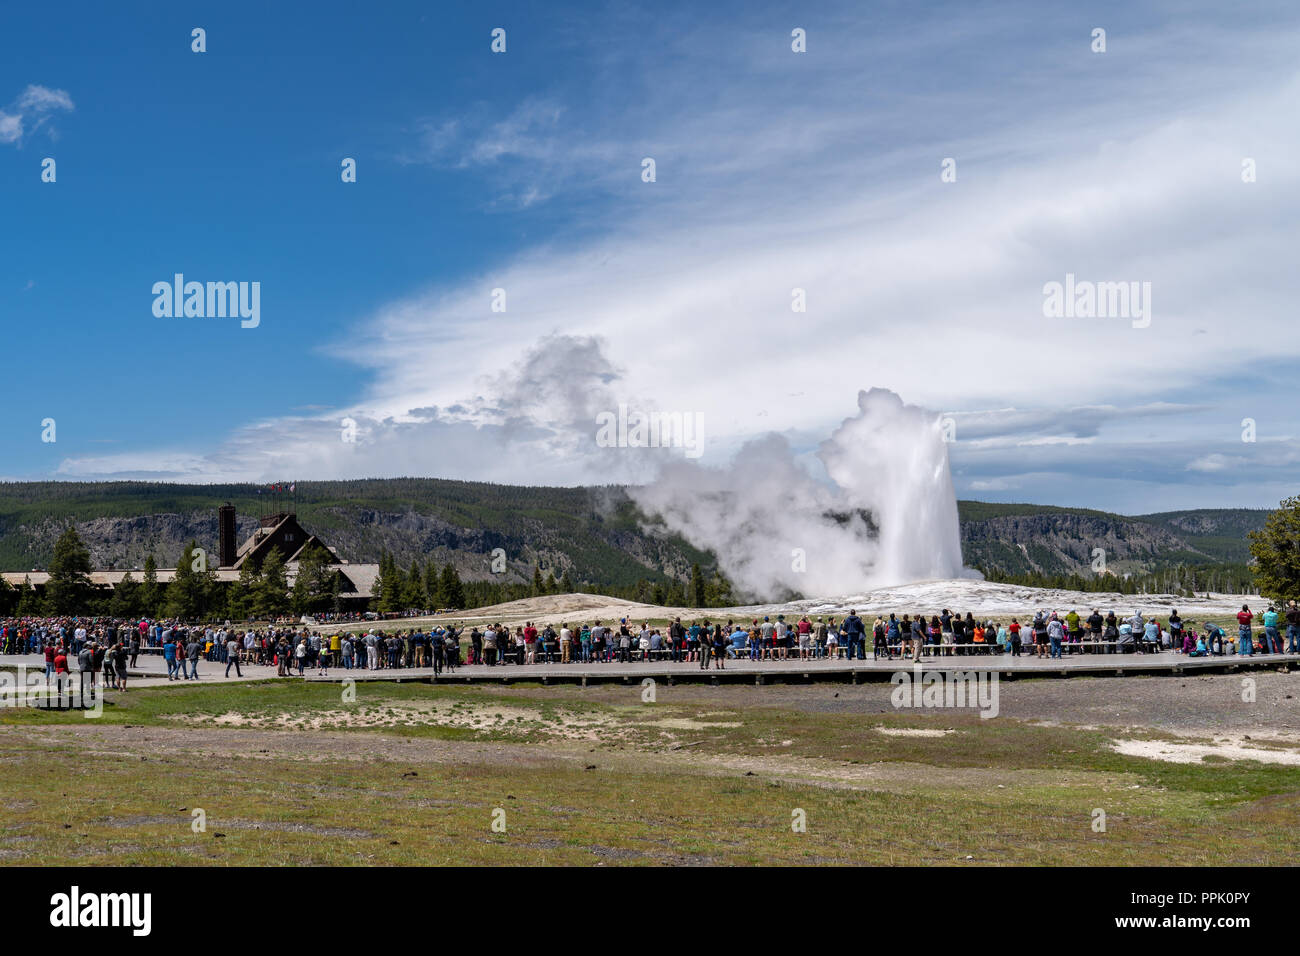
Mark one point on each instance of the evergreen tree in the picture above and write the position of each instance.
(396, 596)
(551, 584)
(28, 603)
(300, 596)
(188, 593)
(8, 598)
(451, 591)
(150, 592)
(377, 591)
(433, 585)
(271, 596)
(126, 597)
(241, 598)
(566, 583)
(718, 592)
(68, 590)
(697, 587)
(539, 586)
(388, 586)
(414, 596)
(312, 586)
(1276, 550)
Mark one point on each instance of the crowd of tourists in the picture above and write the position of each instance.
(112, 647)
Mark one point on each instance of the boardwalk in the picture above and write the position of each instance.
(152, 671)
(760, 672)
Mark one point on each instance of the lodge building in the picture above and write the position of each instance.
(276, 532)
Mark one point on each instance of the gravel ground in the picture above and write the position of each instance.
(1191, 705)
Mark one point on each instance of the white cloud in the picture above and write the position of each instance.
(933, 290)
(30, 111)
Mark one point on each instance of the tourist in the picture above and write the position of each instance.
(1055, 633)
(719, 639)
(193, 650)
(1245, 638)
(1151, 636)
(169, 656)
(854, 633)
(1272, 639)
(232, 656)
(119, 665)
(1125, 638)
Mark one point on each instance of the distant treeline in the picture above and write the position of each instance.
(1182, 579)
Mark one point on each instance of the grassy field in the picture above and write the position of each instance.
(291, 773)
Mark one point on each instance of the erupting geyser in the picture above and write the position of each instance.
(776, 529)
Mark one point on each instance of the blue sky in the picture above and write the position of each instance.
(775, 170)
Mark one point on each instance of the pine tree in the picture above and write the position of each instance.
(271, 596)
(394, 587)
(451, 591)
(566, 583)
(539, 586)
(312, 585)
(379, 587)
(28, 603)
(150, 593)
(1276, 550)
(551, 584)
(697, 587)
(8, 598)
(188, 594)
(126, 597)
(68, 590)
(414, 596)
(433, 586)
(241, 597)
(718, 592)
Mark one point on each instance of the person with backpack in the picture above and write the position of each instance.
(439, 638)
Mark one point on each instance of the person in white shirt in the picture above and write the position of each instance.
(566, 638)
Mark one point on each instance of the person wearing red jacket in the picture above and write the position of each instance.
(530, 643)
(1245, 644)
